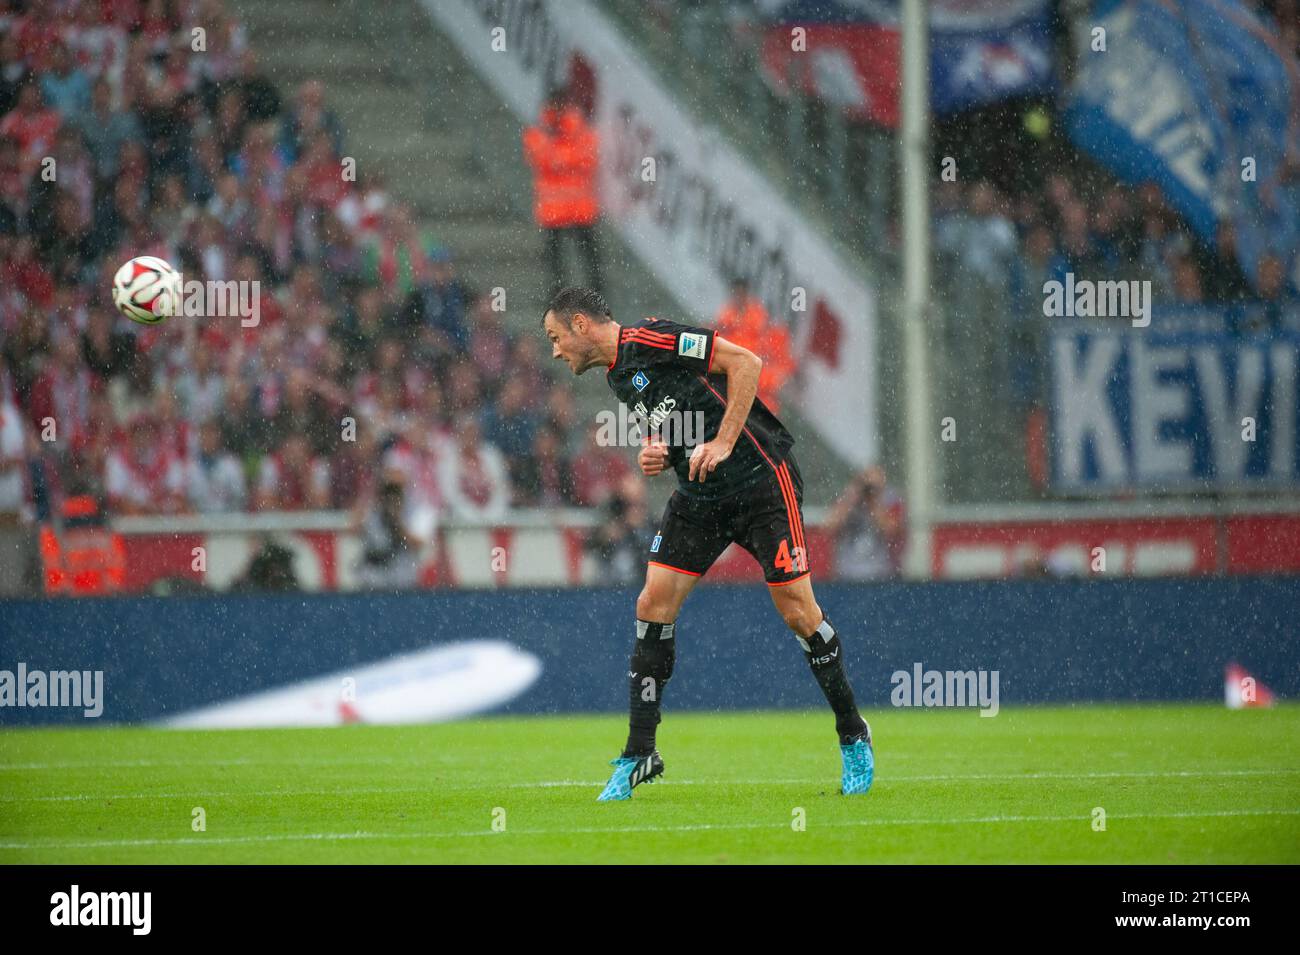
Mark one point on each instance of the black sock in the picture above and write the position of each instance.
(826, 659)
(651, 666)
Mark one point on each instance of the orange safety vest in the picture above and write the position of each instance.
(563, 152)
(85, 558)
(749, 328)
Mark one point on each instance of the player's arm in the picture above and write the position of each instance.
(741, 367)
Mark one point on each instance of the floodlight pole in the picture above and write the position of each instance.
(914, 167)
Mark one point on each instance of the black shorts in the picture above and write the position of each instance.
(765, 518)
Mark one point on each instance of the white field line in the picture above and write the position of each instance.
(614, 830)
(434, 787)
(141, 763)
(207, 794)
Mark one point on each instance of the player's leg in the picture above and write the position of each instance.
(825, 653)
(685, 546)
(773, 533)
(654, 652)
(689, 539)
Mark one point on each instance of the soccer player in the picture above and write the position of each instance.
(741, 484)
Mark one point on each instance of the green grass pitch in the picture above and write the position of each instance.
(1177, 784)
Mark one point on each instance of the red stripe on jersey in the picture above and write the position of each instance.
(656, 336)
(638, 340)
(792, 505)
(646, 333)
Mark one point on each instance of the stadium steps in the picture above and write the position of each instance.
(413, 109)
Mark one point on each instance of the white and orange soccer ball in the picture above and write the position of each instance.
(147, 290)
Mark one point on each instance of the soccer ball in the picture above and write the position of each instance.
(147, 290)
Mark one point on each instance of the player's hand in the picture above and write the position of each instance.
(706, 457)
(653, 458)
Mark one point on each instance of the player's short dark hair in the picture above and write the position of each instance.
(569, 301)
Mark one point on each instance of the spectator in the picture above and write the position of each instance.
(338, 256)
(473, 478)
(13, 71)
(598, 471)
(271, 569)
(1224, 279)
(65, 87)
(1274, 290)
(1187, 283)
(464, 391)
(174, 432)
(222, 191)
(414, 459)
(120, 212)
(24, 350)
(618, 542)
(436, 307)
(147, 476)
(989, 246)
(229, 123)
(13, 457)
(489, 342)
(308, 116)
(511, 425)
(866, 523)
(304, 411)
(390, 553)
(32, 125)
(398, 255)
(526, 364)
(67, 243)
(62, 395)
(214, 479)
(131, 395)
(243, 430)
(545, 474)
(293, 479)
(107, 351)
(368, 323)
(561, 418)
(352, 469)
(261, 98)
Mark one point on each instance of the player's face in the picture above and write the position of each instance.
(569, 344)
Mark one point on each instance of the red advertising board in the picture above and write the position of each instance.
(556, 557)
(1162, 546)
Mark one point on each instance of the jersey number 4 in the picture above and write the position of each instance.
(790, 560)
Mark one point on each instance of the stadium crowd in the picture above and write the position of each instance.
(120, 138)
(1000, 248)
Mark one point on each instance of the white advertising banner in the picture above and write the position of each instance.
(706, 216)
(440, 683)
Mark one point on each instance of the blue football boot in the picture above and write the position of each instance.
(859, 765)
(630, 772)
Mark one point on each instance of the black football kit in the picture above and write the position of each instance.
(662, 373)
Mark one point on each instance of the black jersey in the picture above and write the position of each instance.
(661, 372)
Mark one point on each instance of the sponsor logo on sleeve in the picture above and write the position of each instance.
(692, 345)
